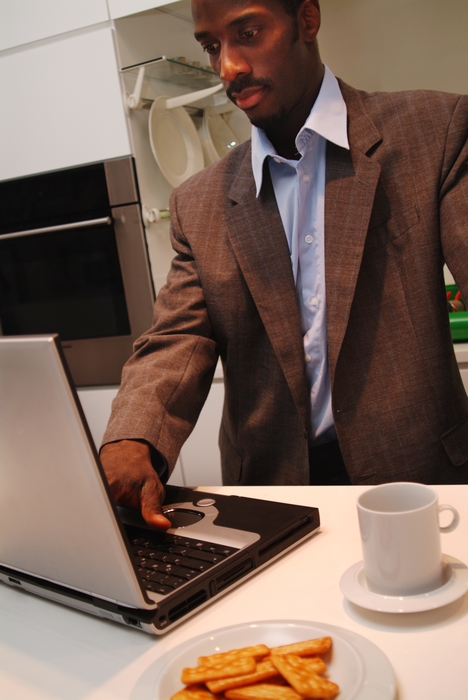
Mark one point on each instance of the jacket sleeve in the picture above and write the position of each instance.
(453, 203)
(166, 381)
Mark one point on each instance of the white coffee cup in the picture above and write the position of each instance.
(400, 536)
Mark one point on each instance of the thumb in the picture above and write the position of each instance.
(152, 496)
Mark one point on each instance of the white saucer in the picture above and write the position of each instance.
(360, 668)
(354, 587)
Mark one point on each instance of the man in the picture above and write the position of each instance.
(312, 263)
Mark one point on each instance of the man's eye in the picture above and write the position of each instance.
(249, 33)
(210, 48)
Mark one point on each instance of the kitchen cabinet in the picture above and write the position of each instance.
(122, 8)
(164, 31)
(25, 21)
(199, 457)
(62, 104)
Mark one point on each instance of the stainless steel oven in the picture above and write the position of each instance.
(73, 261)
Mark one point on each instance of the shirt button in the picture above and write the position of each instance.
(307, 358)
(306, 178)
(314, 301)
(309, 239)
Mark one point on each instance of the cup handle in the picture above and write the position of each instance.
(455, 519)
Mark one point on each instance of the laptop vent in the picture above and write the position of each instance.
(107, 614)
(233, 574)
(224, 580)
(187, 605)
(284, 537)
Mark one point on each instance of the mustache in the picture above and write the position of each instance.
(245, 82)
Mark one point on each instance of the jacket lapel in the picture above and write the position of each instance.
(351, 183)
(259, 243)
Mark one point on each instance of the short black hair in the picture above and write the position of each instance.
(291, 6)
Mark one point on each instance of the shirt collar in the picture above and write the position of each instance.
(328, 118)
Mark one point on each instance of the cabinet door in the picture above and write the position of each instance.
(24, 21)
(199, 457)
(123, 8)
(62, 105)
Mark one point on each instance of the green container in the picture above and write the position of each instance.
(458, 319)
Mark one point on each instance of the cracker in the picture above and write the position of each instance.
(235, 667)
(314, 663)
(263, 691)
(193, 692)
(265, 671)
(304, 681)
(308, 648)
(257, 651)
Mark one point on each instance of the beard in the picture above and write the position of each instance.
(268, 121)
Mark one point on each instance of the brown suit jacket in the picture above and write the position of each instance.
(396, 208)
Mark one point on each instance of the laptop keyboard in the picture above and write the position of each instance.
(164, 562)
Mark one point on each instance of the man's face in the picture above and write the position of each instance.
(259, 54)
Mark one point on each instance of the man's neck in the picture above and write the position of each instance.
(283, 135)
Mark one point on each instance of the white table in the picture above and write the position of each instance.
(49, 651)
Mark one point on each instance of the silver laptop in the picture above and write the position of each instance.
(62, 536)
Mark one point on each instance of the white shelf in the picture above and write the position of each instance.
(176, 71)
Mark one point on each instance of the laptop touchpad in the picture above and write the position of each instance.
(181, 517)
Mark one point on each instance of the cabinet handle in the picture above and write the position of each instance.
(104, 221)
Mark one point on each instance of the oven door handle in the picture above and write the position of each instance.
(104, 221)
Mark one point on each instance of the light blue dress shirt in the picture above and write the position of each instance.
(299, 187)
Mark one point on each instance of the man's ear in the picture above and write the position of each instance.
(309, 19)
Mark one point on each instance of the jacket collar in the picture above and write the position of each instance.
(327, 118)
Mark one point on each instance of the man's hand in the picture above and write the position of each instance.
(133, 480)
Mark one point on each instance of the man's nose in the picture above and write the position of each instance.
(231, 64)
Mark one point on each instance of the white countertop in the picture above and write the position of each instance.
(48, 651)
(461, 352)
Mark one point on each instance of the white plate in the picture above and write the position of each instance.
(354, 587)
(175, 142)
(360, 668)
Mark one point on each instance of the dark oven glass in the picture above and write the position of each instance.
(67, 282)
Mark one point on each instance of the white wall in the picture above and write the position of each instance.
(397, 44)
